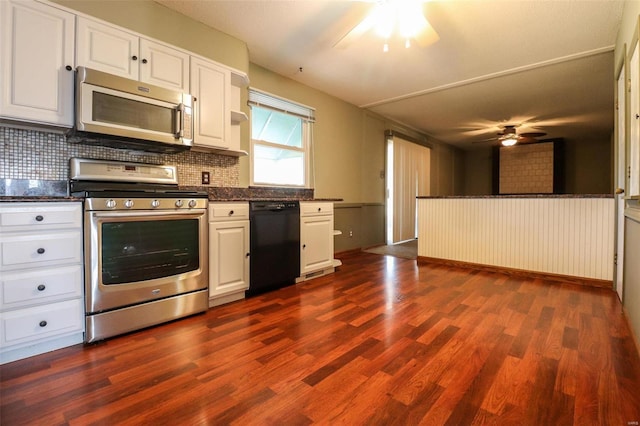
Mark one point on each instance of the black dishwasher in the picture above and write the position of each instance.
(275, 245)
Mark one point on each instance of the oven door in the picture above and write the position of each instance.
(135, 257)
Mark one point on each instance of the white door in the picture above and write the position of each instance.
(408, 175)
(37, 63)
(229, 257)
(211, 86)
(107, 49)
(316, 243)
(633, 159)
(621, 115)
(164, 66)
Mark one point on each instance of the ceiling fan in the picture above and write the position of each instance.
(509, 136)
(389, 19)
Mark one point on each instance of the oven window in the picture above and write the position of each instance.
(138, 251)
(130, 113)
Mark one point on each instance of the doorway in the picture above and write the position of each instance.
(408, 175)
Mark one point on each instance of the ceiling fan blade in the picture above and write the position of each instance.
(427, 36)
(526, 139)
(532, 134)
(364, 25)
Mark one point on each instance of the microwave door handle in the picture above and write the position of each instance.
(179, 117)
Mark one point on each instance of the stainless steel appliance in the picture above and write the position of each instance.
(275, 245)
(123, 113)
(145, 242)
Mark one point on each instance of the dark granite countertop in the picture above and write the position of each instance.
(14, 190)
(499, 197)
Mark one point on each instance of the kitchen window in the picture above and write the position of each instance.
(281, 138)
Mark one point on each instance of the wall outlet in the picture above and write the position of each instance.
(350, 234)
(206, 178)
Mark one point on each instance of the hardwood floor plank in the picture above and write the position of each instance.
(383, 341)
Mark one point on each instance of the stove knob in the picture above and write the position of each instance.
(155, 203)
(111, 203)
(179, 203)
(128, 204)
(192, 203)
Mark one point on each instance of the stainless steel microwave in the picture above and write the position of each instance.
(123, 113)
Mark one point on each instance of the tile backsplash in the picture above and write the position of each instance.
(31, 154)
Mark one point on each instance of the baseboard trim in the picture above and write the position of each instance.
(589, 282)
(347, 252)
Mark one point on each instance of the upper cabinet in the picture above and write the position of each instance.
(110, 49)
(37, 63)
(211, 87)
(41, 45)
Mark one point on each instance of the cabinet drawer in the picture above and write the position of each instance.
(18, 289)
(315, 208)
(25, 250)
(29, 324)
(228, 211)
(30, 217)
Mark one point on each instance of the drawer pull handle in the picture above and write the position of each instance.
(43, 324)
(39, 218)
(40, 250)
(304, 246)
(319, 209)
(248, 254)
(231, 213)
(41, 287)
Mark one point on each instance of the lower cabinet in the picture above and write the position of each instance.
(41, 278)
(228, 252)
(316, 239)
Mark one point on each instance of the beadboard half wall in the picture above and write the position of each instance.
(31, 154)
(567, 235)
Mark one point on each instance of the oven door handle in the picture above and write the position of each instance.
(145, 214)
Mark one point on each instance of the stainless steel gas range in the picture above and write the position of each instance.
(145, 242)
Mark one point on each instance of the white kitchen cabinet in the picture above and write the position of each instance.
(41, 278)
(113, 50)
(228, 252)
(164, 66)
(37, 43)
(211, 87)
(316, 238)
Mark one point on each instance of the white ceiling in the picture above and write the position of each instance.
(544, 65)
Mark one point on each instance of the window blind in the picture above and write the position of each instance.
(267, 100)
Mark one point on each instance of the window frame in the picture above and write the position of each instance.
(281, 105)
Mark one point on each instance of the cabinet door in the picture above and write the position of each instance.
(108, 49)
(210, 84)
(164, 66)
(37, 47)
(229, 257)
(316, 243)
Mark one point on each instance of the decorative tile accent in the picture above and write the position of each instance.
(526, 169)
(38, 155)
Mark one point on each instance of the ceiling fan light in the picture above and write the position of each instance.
(411, 20)
(385, 17)
(509, 141)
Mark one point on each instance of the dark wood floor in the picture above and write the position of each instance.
(381, 341)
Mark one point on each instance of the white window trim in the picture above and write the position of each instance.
(267, 100)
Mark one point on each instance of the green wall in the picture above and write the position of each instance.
(587, 168)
